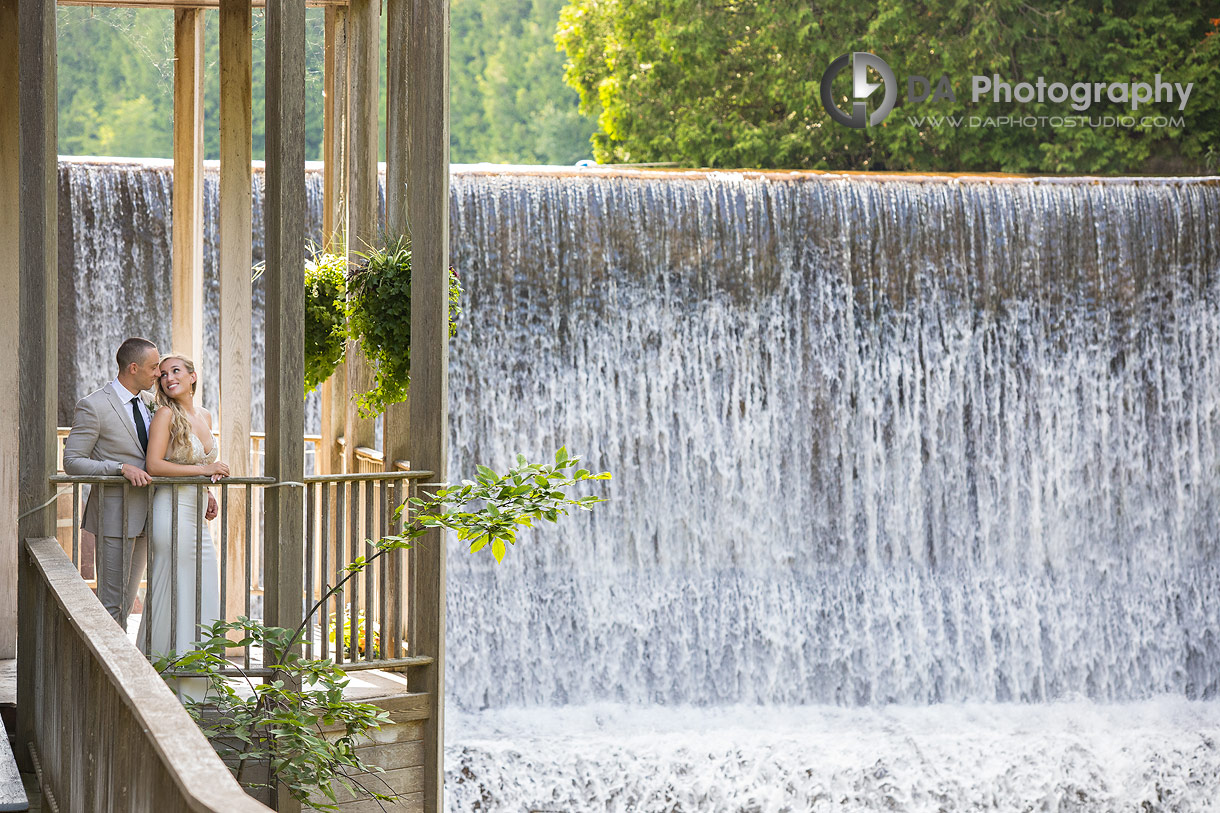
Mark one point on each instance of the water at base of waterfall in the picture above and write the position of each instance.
(1161, 754)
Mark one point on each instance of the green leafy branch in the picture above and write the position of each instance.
(524, 495)
(297, 722)
(488, 510)
(284, 720)
(325, 328)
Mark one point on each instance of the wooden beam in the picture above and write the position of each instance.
(396, 429)
(187, 334)
(397, 34)
(285, 364)
(10, 336)
(236, 212)
(333, 395)
(364, 193)
(38, 351)
(333, 391)
(335, 101)
(428, 208)
(176, 4)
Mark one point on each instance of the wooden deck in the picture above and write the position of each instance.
(397, 747)
(8, 683)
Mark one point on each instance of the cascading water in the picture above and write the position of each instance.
(874, 442)
(916, 494)
(115, 255)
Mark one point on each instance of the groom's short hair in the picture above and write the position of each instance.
(133, 351)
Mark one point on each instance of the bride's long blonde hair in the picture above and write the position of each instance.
(179, 449)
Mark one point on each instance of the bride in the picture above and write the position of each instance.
(180, 444)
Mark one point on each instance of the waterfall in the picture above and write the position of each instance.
(915, 503)
(115, 256)
(873, 441)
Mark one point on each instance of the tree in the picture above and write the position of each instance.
(508, 101)
(281, 720)
(737, 84)
(116, 81)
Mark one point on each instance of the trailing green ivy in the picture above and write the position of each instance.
(379, 317)
(282, 720)
(325, 330)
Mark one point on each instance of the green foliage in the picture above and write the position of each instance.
(737, 84)
(508, 101)
(278, 723)
(281, 723)
(379, 317)
(525, 494)
(116, 82)
(325, 327)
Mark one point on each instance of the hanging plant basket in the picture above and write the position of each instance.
(325, 324)
(379, 317)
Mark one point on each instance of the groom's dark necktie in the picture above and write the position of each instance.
(141, 430)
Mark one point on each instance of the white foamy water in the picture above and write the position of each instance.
(1159, 754)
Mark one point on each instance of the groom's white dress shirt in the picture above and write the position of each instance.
(125, 397)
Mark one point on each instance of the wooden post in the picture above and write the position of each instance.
(333, 394)
(38, 351)
(396, 151)
(236, 73)
(284, 542)
(333, 391)
(334, 128)
(10, 280)
(285, 389)
(428, 206)
(363, 181)
(187, 334)
(397, 426)
(363, 191)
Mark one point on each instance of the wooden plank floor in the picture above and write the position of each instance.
(8, 698)
(8, 682)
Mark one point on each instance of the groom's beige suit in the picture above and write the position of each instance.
(102, 439)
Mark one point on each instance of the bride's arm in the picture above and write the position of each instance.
(213, 508)
(158, 443)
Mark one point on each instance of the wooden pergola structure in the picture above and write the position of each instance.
(417, 193)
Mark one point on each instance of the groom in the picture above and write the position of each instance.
(109, 437)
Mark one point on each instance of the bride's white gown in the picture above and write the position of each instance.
(160, 597)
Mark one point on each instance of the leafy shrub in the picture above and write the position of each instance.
(379, 317)
(281, 720)
(325, 328)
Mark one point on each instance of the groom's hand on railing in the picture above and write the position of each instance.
(136, 475)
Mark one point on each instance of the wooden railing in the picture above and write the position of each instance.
(108, 734)
(362, 627)
(240, 538)
(369, 614)
(366, 459)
